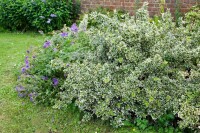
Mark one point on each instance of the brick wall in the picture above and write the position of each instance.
(130, 5)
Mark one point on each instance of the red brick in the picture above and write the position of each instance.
(128, 5)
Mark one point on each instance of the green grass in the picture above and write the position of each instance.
(20, 115)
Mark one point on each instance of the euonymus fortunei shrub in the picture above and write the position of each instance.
(120, 70)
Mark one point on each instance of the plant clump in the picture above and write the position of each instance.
(40, 15)
(121, 70)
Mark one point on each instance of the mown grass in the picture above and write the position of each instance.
(20, 115)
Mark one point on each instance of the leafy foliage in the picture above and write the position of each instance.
(121, 71)
(11, 15)
(106, 11)
(45, 15)
(43, 71)
(193, 17)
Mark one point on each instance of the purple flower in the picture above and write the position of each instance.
(64, 34)
(34, 57)
(47, 44)
(74, 28)
(31, 99)
(21, 94)
(26, 62)
(53, 15)
(55, 81)
(27, 66)
(32, 95)
(44, 78)
(48, 21)
(23, 69)
(19, 88)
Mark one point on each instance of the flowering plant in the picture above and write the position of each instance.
(42, 75)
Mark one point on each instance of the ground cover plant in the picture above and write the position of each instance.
(42, 15)
(124, 71)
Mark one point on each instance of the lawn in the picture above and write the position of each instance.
(20, 115)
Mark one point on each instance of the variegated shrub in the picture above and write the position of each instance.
(137, 67)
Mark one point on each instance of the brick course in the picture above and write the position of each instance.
(131, 5)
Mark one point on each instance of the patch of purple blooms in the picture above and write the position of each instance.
(21, 91)
(32, 95)
(23, 69)
(19, 88)
(27, 65)
(22, 95)
(47, 44)
(53, 15)
(74, 28)
(55, 81)
(64, 34)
